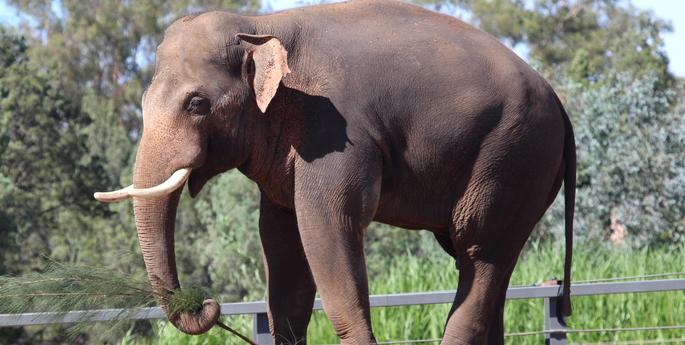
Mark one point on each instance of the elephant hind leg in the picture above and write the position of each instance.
(496, 331)
(476, 302)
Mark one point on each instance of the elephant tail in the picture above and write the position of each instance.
(569, 201)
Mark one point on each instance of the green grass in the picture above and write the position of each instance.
(407, 273)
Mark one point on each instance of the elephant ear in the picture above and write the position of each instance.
(271, 65)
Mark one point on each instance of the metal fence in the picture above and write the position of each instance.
(554, 329)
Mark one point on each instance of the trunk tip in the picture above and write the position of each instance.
(201, 322)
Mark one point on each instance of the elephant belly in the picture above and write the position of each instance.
(420, 186)
(410, 208)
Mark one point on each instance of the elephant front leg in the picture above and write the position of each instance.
(332, 217)
(290, 285)
(335, 255)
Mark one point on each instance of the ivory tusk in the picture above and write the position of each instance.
(115, 196)
(174, 182)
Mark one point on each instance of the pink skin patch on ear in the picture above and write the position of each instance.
(271, 65)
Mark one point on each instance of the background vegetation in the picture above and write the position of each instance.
(71, 76)
(538, 264)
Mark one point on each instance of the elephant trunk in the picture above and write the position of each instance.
(155, 222)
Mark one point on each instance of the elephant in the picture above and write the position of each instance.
(344, 114)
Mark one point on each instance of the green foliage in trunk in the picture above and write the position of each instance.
(188, 300)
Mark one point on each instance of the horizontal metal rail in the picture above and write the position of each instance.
(258, 309)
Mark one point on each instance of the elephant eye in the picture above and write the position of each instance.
(198, 106)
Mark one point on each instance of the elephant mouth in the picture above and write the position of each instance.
(174, 182)
(199, 178)
(204, 172)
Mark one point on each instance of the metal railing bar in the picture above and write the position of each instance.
(643, 276)
(242, 308)
(420, 298)
(627, 287)
(609, 279)
(9, 320)
(403, 299)
(598, 288)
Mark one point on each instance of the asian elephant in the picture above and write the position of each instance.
(344, 114)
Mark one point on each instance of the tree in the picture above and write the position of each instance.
(69, 118)
(44, 157)
(45, 164)
(94, 57)
(630, 142)
(582, 38)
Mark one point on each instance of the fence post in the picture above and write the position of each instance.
(554, 321)
(261, 335)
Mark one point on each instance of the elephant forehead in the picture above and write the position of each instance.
(199, 33)
(183, 53)
(161, 90)
(182, 61)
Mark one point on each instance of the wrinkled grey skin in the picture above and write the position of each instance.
(389, 113)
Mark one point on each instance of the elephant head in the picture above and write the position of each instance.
(210, 80)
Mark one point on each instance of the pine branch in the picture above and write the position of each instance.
(46, 294)
(66, 287)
